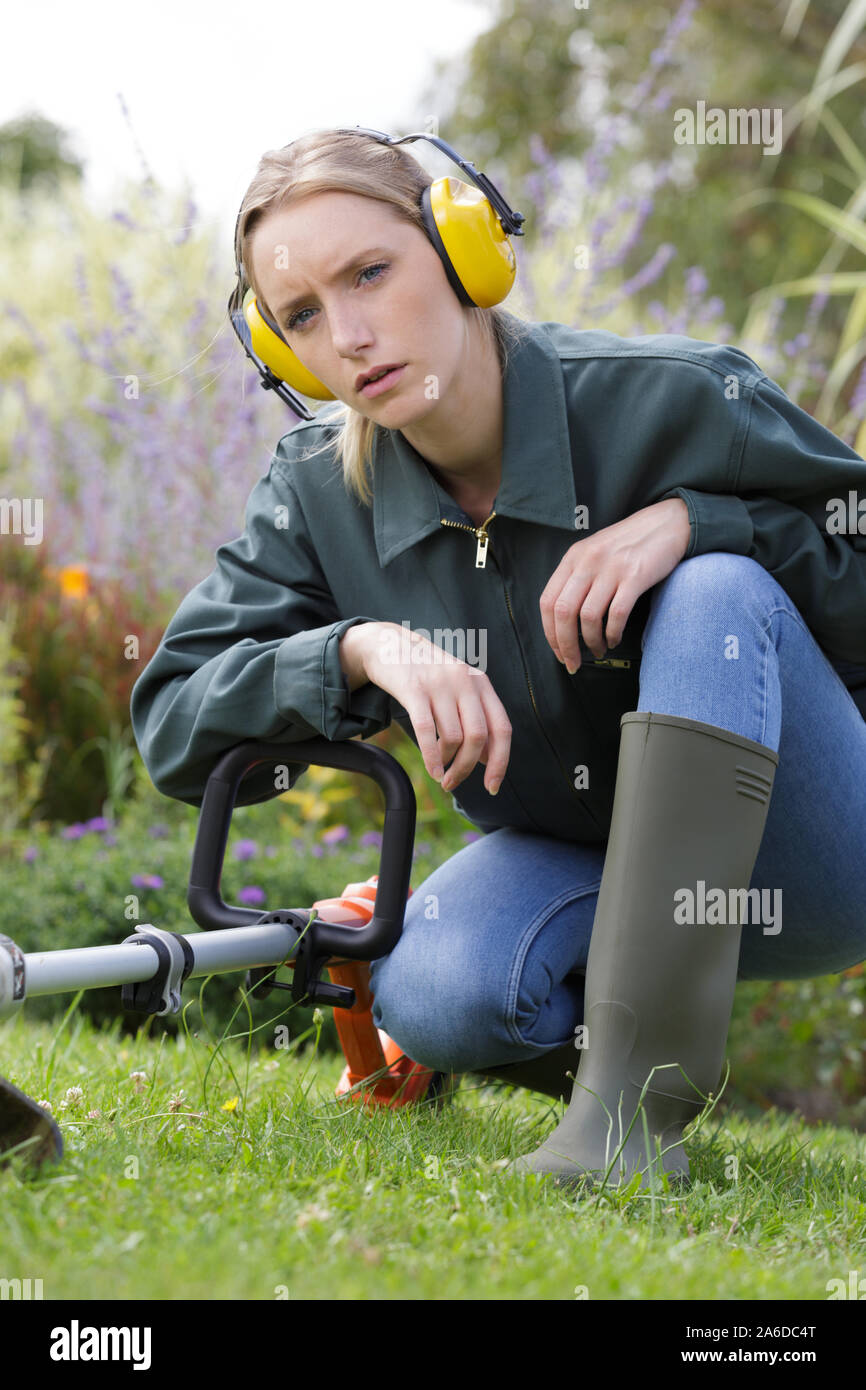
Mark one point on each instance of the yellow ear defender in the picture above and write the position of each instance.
(469, 228)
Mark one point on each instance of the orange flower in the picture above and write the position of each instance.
(74, 581)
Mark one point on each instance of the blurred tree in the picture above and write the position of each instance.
(554, 70)
(33, 150)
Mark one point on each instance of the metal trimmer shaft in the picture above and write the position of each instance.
(160, 956)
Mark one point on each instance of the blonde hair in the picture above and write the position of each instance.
(331, 160)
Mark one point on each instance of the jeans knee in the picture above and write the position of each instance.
(714, 585)
(718, 570)
(438, 1006)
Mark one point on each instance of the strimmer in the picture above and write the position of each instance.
(152, 965)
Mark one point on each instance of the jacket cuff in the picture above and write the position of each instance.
(717, 521)
(310, 686)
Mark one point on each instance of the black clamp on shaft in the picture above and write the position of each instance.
(259, 979)
(306, 985)
(161, 993)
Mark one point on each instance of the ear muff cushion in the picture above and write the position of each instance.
(471, 241)
(275, 352)
(433, 233)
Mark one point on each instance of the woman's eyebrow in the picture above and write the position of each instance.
(290, 304)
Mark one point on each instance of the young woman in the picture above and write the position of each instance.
(669, 770)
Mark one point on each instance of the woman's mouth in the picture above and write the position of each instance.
(384, 383)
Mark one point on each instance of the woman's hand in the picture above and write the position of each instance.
(441, 693)
(607, 573)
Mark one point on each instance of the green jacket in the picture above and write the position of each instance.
(592, 421)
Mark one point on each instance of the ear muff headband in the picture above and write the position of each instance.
(469, 229)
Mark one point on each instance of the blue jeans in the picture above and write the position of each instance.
(497, 975)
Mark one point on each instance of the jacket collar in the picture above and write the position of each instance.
(537, 481)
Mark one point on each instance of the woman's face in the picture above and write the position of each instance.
(354, 286)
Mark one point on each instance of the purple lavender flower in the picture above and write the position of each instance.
(372, 838)
(660, 55)
(246, 849)
(74, 832)
(336, 835)
(124, 298)
(125, 220)
(146, 881)
(713, 307)
(696, 281)
(645, 276)
(793, 346)
(189, 220)
(252, 895)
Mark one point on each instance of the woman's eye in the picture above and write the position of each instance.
(295, 321)
(381, 265)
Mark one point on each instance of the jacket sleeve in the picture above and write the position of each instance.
(251, 653)
(793, 479)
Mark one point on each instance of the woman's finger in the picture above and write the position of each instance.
(473, 720)
(499, 733)
(565, 609)
(443, 702)
(416, 702)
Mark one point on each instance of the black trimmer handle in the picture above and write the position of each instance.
(382, 933)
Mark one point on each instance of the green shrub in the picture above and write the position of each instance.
(72, 635)
(20, 775)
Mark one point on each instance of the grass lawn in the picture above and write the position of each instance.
(229, 1171)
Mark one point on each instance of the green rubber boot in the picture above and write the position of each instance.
(690, 805)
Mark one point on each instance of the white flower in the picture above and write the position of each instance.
(72, 1099)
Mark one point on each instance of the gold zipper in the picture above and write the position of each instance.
(480, 532)
(525, 670)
